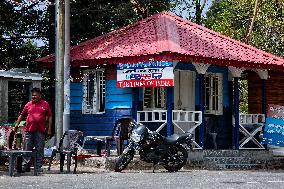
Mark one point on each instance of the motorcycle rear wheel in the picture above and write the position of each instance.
(123, 160)
(175, 159)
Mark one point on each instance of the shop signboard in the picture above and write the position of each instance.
(274, 126)
(149, 74)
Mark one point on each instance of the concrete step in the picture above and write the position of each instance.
(256, 154)
(232, 153)
(136, 164)
(275, 163)
(238, 166)
(206, 159)
(221, 153)
(231, 160)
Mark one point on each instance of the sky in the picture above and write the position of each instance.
(182, 11)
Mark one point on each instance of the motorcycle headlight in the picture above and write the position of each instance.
(136, 137)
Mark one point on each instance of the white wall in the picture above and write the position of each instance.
(184, 90)
(184, 95)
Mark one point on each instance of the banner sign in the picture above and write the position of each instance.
(274, 126)
(149, 74)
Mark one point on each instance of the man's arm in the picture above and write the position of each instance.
(49, 129)
(20, 118)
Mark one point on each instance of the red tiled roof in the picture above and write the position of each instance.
(167, 36)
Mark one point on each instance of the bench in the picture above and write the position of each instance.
(8, 142)
(14, 154)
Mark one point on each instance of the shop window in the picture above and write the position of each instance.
(213, 93)
(154, 98)
(93, 92)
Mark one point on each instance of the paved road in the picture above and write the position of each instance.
(98, 179)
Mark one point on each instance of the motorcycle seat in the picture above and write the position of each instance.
(176, 138)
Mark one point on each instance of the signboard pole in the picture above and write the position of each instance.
(263, 97)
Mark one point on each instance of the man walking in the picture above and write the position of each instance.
(38, 114)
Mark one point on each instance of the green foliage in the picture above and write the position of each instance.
(232, 18)
(19, 24)
(243, 87)
(22, 23)
(92, 18)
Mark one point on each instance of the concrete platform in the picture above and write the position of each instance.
(198, 160)
(203, 159)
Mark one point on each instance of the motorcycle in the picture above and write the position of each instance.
(154, 148)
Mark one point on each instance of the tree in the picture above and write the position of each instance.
(255, 22)
(92, 18)
(234, 19)
(20, 23)
(24, 22)
(30, 21)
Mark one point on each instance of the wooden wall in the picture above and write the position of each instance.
(274, 90)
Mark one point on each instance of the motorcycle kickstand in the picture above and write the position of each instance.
(154, 165)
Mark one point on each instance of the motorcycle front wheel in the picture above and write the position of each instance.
(123, 160)
(175, 158)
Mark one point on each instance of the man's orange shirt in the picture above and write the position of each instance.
(36, 115)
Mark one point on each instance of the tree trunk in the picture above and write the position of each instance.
(198, 12)
(51, 26)
(249, 31)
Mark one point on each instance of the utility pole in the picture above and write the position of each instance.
(66, 113)
(59, 67)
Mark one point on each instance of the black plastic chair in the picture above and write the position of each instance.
(69, 150)
(121, 132)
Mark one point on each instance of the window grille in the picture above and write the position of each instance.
(154, 98)
(213, 93)
(93, 92)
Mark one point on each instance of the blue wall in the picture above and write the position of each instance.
(76, 96)
(118, 97)
(118, 104)
(125, 102)
(222, 123)
(213, 69)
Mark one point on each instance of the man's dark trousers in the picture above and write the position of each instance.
(34, 140)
